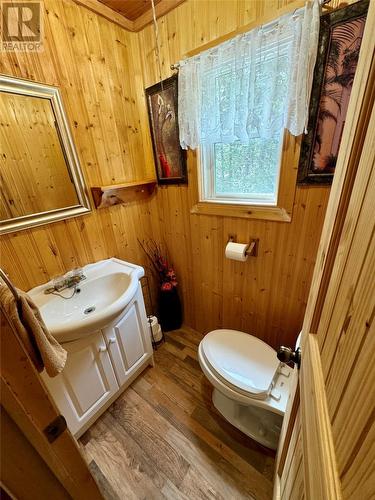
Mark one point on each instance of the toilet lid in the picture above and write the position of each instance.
(244, 361)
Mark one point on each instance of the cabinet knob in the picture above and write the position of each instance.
(102, 348)
(112, 340)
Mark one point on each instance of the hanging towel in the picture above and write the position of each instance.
(42, 347)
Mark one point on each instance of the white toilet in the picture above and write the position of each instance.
(251, 386)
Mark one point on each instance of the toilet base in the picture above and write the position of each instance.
(261, 425)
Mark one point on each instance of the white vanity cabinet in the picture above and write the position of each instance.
(87, 382)
(128, 345)
(101, 365)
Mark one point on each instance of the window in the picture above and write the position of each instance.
(239, 101)
(248, 172)
(242, 173)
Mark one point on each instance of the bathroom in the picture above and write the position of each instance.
(304, 266)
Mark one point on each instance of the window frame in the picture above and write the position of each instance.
(281, 211)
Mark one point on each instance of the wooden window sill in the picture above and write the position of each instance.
(277, 214)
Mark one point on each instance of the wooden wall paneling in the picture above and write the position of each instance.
(273, 281)
(102, 71)
(357, 476)
(291, 484)
(196, 272)
(359, 110)
(248, 11)
(98, 69)
(286, 256)
(339, 319)
(141, 108)
(114, 159)
(265, 296)
(205, 23)
(48, 249)
(181, 42)
(298, 258)
(337, 372)
(353, 413)
(262, 13)
(209, 310)
(347, 352)
(351, 308)
(250, 14)
(111, 102)
(306, 240)
(206, 235)
(232, 274)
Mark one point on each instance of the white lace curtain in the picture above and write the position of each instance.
(253, 85)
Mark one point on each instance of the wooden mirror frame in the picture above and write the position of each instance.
(34, 89)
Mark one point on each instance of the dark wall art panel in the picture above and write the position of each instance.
(339, 44)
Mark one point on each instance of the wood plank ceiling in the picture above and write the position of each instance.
(132, 9)
(132, 15)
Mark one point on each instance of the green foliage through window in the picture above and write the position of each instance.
(247, 169)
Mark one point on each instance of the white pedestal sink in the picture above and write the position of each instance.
(104, 328)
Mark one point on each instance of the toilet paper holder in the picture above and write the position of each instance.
(252, 249)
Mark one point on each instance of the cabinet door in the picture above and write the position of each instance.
(127, 342)
(86, 383)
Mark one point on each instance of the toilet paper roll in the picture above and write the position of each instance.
(158, 335)
(153, 320)
(156, 328)
(236, 251)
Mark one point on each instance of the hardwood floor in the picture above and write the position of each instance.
(164, 439)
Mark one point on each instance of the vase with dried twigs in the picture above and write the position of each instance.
(169, 304)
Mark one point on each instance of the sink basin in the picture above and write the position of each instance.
(109, 286)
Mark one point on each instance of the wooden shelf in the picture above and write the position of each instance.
(106, 196)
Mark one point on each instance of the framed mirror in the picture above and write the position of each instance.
(40, 175)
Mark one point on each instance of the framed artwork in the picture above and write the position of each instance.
(170, 158)
(340, 40)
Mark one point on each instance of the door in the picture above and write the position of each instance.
(31, 412)
(86, 383)
(326, 448)
(17, 455)
(127, 340)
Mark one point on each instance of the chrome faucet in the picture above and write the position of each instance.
(69, 280)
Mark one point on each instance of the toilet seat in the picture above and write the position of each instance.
(241, 361)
